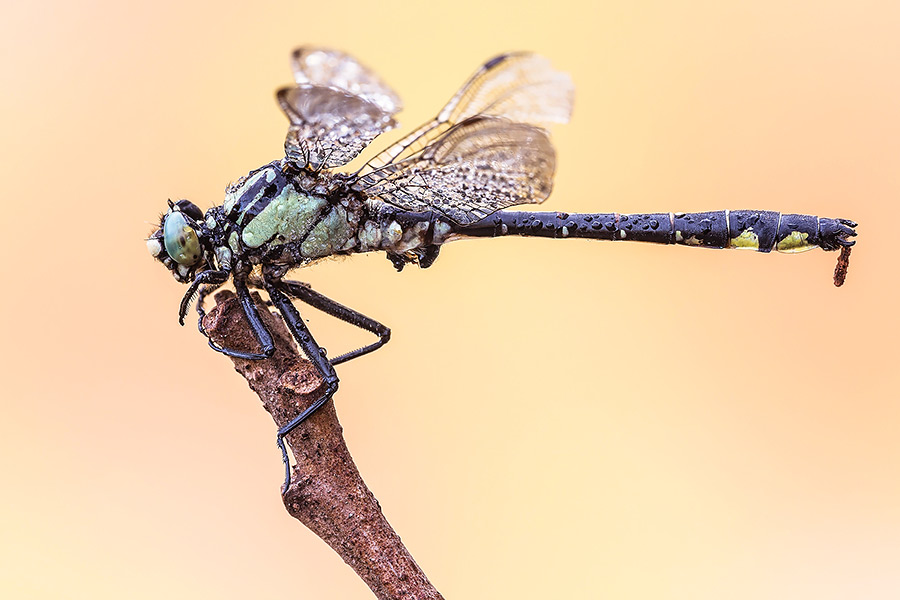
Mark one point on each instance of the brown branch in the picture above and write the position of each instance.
(327, 493)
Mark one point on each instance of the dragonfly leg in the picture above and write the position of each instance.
(304, 293)
(314, 353)
(249, 307)
(216, 278)
(205, 291)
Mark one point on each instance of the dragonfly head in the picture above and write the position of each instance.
(178, 243)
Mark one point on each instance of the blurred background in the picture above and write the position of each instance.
(551, 419)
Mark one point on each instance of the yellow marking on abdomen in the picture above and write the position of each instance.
(795, 242)
(746, 241)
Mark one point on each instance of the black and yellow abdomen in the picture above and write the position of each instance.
(762, 231)
(758, 230)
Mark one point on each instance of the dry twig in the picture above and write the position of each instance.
(327, 493)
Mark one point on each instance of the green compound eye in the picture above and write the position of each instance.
(181, 241)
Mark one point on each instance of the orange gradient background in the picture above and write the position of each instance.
(551, 419)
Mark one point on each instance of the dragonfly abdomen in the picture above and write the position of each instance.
(762, 231)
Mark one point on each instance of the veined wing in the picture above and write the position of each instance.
(331, 68)
(329, 127)
(476, 168)
(522, 87)
(337, 108)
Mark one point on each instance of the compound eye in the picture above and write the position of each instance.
(180, 239)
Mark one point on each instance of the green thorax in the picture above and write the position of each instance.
(268, 209)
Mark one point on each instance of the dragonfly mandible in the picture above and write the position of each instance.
(452, 178)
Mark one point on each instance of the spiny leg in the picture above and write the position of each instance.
(259, 329)
(216, 278)
(205, 291)
(314, 353)
(306, 294)
(247, 305)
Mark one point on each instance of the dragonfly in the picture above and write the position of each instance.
(452, 178)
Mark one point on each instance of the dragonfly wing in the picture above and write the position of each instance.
(477, 167)
(522, 87)
(329, 127)
(331, 68)
(337, 108)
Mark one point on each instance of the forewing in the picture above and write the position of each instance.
(476, 168)
(521, 87)
(331, 68)
(338, 107)
(329, 127)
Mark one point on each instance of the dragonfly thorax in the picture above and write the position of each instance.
(281, 216)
